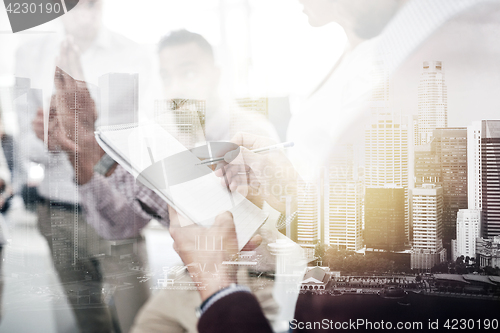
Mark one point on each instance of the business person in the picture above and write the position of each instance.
(400, 34)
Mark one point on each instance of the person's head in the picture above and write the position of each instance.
(364, 18)
(84, 21)
(187, 66)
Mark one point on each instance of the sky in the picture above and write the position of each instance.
(267, 48)
(470, 53)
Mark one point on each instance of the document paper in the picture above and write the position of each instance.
(158, 160)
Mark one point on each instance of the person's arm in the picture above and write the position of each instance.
(226, 306)
(267, 176)
(117, 207)
(235, 311)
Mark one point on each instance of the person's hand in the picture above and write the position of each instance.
(71, 124)
(57, 138)
(203, 250)
(74, 106)
(72, 117)
(266, 176)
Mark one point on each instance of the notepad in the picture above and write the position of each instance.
(160, 162)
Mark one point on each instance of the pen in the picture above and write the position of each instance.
(258, 150)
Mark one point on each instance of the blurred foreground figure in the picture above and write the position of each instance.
(394, 35)
(216, 280)
(87, 50)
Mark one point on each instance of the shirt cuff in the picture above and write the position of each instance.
(233, 288)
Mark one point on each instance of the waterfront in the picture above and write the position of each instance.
(415, 307)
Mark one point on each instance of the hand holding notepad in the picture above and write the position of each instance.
(165, 166)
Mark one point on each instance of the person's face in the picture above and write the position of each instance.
(188, 72)
(84, 21)
(365, 18)
(321, 12)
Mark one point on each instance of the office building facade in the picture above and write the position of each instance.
(308, 215)
(468, 230)
(343, 201)
(387, 143)
(490, 177)
(427, 203)
(385, 218)
(443, 162)
(72, 239)
(484, 173)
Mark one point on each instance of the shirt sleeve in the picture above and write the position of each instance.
(118, 207)
(234, 310)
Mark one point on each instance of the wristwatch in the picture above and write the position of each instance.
(105, 163)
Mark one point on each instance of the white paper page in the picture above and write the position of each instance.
(200, 199)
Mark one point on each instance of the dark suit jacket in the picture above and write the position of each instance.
(239, 312)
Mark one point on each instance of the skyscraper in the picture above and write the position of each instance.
(474, 183)
(71, 240)
(308, 217)
(432, 100)
(427, 203)
(468, 230)
(443, 162)
(386, 154)
(415, 136)
(484, 171)
(343, 195)
(490, 176)
(385, 218)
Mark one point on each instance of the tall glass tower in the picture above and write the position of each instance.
(432, 101)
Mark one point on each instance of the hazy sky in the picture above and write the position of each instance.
(470, 52)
